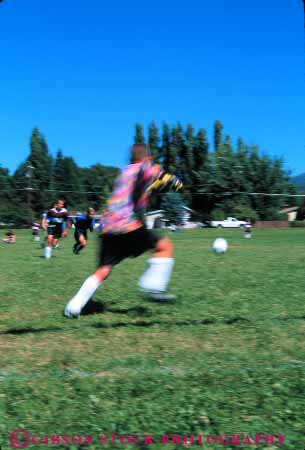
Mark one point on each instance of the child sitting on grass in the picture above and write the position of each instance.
(10, 237)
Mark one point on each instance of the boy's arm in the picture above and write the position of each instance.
(92, 225)
(165, 181)
(64, 230)
(44, 223)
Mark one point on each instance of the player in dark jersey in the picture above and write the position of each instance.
(124, 233)
(82, 223)
(56, 222)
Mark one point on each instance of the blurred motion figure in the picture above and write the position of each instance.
(124, 233)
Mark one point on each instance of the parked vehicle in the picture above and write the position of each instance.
(229, 222)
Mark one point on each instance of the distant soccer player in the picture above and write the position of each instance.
(248, 229)
(124, 233)
(55, 221)
(35, 231)
(82, 223)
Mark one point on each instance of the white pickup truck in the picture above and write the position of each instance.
(229, 222)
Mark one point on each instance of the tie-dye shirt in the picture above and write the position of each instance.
(129, 198)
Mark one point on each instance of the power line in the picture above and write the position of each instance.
(266, 194)
(226, 193)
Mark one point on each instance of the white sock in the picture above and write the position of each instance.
(48, 252)
(157, 276)
(76, 304)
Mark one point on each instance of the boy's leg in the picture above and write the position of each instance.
(48, 247)
(110, 255)
(80, 244)
(156, 278)
(88, 288)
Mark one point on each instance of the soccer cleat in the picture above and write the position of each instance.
(70, 314)
(157, 296)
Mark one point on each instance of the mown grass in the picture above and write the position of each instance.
(228, 357)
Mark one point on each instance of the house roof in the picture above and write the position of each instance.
(152, 213)
(161, 211)
(290, 209)
(187, 209)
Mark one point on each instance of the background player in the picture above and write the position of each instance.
(248, 229)
(82, 223)
(124, 233)
(55, 221)
(35, 231)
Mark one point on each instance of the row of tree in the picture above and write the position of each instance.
(226, 180)
(235, 180)
(40, 179)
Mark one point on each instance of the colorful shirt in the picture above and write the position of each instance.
(130, 197)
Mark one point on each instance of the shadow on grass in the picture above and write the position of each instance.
(93, 307)
(139, 310)
(43, 257)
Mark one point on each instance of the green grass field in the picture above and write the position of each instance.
(227, 358)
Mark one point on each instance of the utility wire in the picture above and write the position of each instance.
(266, 194)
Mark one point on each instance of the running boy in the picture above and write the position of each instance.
(55, 221)
(124, 233)
(82, 223)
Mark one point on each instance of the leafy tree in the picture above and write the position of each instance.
(200, 150)
(165, 147)
(139, 134)
(243, 211)
(153, 141)
(39, 170)
(201, 202)
(172, 204)
(175, 160)
(32, 179)
(301, 211)
(217, 134)
(187, 163)
(7, 200)
(98, 181)
(66, 180)
(189, 145)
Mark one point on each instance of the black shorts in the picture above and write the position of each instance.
(78, 232)
(55, 229)
(116, 247)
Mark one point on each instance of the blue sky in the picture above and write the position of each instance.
(85, 72)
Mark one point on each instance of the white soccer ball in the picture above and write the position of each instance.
(220, 245)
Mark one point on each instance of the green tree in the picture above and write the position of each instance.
(39, 170)
(32, 179)
(187, 163)
(139, 134)
(172, 204)
(217, 134)
(301, 211)
(200, 150)
(189, 146)
(66, 180)
(201, 202)
(9, 211)
(175, 151)
(98, 181)
(165, 147)
(153, 141)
